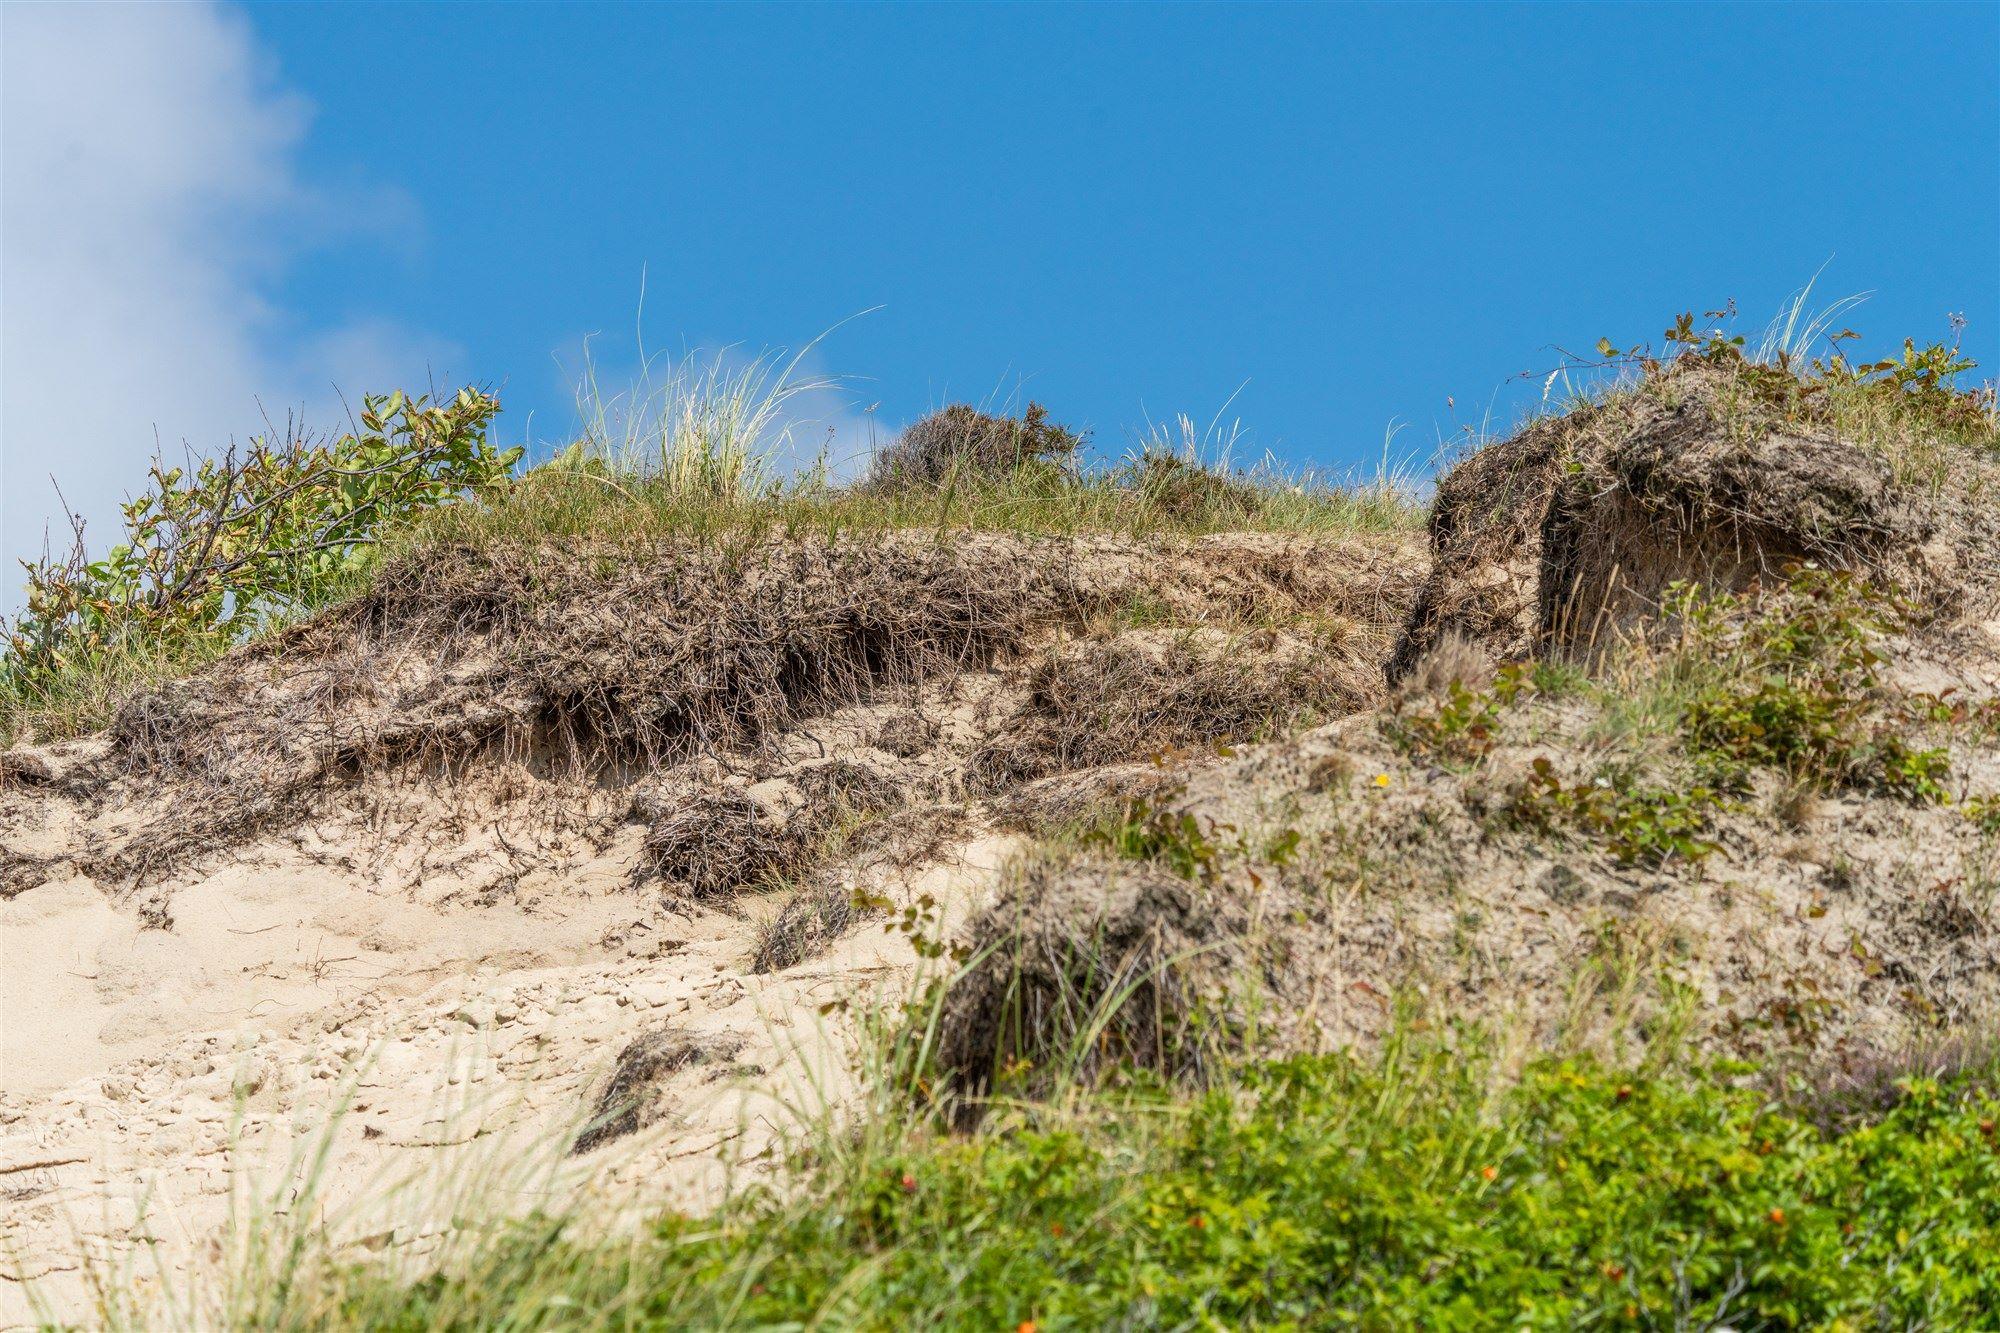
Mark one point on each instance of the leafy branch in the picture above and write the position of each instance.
(221, 547)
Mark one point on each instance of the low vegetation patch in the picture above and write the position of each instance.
(1789, 680)
(1404, 1192)
(1156, 828)
(1087, 965)
(1459, 724)
(1637, 823)
(1178, 485)
(1911, 406)
(1785, 680)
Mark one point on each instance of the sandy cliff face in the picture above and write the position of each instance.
(431, 885)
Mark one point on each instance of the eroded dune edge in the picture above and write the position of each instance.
(550, 876)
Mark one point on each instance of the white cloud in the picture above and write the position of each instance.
(840, 426)
(150, 200)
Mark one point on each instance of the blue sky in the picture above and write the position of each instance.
(1349, 213)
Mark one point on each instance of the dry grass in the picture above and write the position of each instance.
(628, 1102)
(597, 660)
(710, 843)
(816, 915)
(607, 665)
(836, 896)
(1056, 808)
(84, 699)
(577, 506)
(1150, 693)
(1083, 964)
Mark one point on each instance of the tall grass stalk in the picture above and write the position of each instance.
(709, 427)
(1797, 327)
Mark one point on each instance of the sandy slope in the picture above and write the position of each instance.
(152, 1074)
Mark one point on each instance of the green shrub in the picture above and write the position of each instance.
(960, 444)
(1179, 486)
(1799, 665)
(1920, 387)
(215, 553)
(1915, 773)
(1324, 1192)
(1788, 680)
(1463, 725)
(1783, 679)
(1156, 829)
(1641, 825)
(1984, 812)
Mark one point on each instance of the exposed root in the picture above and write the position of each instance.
(608, 666)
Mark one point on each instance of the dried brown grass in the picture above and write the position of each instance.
(1083, 966)
(630, 1099)
(811, 920)
(609, 667)
(1150, 693)
(711, 840)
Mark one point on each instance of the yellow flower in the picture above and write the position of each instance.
(1381, 779)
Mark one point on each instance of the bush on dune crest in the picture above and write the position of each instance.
(226, 548)
(961, 441)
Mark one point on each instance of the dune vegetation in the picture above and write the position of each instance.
(1565, 900)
